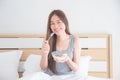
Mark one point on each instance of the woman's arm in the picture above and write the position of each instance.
(44, 55)
(44, 62)
(74, 64)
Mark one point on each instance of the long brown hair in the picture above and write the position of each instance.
(52, 41)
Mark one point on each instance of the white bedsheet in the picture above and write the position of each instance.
(96, 78)
(43, 76)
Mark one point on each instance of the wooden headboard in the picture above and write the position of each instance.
(98, 46)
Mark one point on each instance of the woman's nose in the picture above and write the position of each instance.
(56, 25)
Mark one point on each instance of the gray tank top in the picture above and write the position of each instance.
(63, 68)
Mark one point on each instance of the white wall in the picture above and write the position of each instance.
(85, 16)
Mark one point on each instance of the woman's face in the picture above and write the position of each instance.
(57, 25)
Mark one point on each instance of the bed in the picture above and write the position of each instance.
(96, 46)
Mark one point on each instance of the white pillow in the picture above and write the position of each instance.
(83, 66)
(32, 64)
(9, 62)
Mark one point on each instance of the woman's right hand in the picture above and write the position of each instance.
(45, 48)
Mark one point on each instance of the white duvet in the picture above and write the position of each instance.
(43, 76)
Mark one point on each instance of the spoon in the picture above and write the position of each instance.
(51, 35)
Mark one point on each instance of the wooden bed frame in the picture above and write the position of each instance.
(97, 54)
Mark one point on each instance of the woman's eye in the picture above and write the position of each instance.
(58, 22)
(51, 23)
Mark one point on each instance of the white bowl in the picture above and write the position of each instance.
(59, 55)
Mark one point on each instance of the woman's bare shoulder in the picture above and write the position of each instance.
(76, 37)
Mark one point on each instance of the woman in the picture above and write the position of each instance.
(61, 41)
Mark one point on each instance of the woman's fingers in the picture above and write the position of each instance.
(46, 42)
(45, 47)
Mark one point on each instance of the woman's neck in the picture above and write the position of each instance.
(62, 42)
(62, 37)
